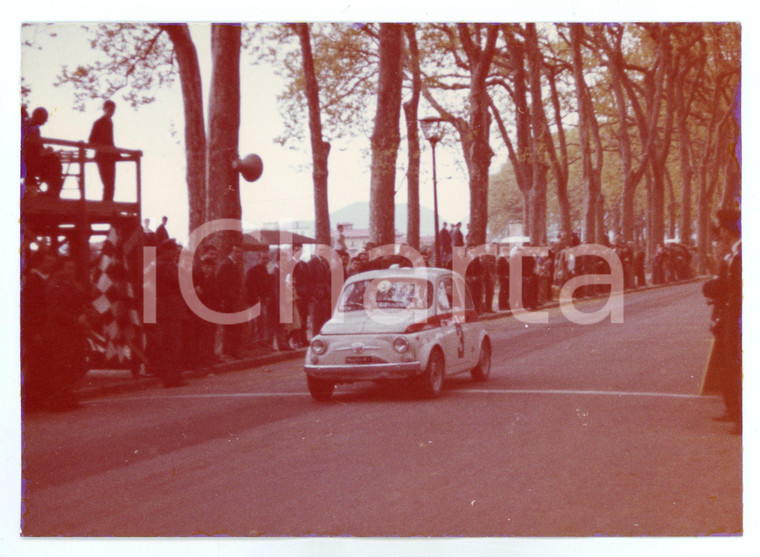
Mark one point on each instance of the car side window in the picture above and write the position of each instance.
(463, 295)
(444, 295)
(468, 303)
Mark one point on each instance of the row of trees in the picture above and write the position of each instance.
(617, 118)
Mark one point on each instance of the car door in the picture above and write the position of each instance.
(468, 326)
(451, 327)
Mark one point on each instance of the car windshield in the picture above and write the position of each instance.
(387, 293)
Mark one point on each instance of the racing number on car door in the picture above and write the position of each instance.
(460, 335)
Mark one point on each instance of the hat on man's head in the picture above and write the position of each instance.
(730, 219)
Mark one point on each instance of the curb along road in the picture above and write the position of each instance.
(106, 382)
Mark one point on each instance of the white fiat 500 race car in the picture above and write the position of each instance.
(414, 324)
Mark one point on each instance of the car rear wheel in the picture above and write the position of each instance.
(431, 382)
(482, 369)
(320, 389)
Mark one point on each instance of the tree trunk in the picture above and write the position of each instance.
(560, 161)
(385, 136)
(478, 151)
(540, 144)
(520, 155)
(591, 201)
(413, 141)
(224, 127)
(320, 149)
(664, 85)
(687, 172)
(195, 133)
(732, 194)
(480, 161)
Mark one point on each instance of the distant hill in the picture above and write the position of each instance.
(358, 214)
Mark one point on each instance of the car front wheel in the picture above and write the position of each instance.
(431, 382)
(482, 369)
(320, 389)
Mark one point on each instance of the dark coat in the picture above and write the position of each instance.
(102, 134)
(229, 284)
(258, 285)
(444, 237)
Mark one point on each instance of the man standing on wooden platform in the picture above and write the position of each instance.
(102, 136)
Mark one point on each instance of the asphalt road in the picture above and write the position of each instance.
(582, 430)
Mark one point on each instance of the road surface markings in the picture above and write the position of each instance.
(451, 392)
(582, 393)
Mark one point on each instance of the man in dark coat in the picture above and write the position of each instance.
(279, 340)
(444, 238)
(65, 336)
(474, 281)
(171, 316)
(162, 234)
(489, 278)
(101, 135)
(457, 238)
(229, 284)
(502, 272)
(725, 291)
(33, 310)
(319, 270)
(204, 279)
(258, 288)
(302, 292)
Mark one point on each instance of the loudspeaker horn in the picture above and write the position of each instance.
(250, 167)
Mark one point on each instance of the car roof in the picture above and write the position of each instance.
(429, 273)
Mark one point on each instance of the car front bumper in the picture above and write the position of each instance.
(346, 373)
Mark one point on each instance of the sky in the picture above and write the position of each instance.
(284, 192)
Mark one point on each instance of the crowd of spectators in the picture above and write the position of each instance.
(285, 282)
(56, 319)
(266, 276)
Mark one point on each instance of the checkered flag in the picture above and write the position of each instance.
(115, 299)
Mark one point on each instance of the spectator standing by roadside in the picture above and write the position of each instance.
(171, 316)
(101, 135)
(474, 281)
(659, 265)
(258, 290)
(345, 260)
(340, 241)
(229, 284)
(639, 264)
(65, 336)
(529, 283)
(502, 273)
(725, 291)
(457, 238)
(444, 237)
(489, 278)
(275, 324)
(301, 283)
(319, 270)
(204, 280)
(33, 312)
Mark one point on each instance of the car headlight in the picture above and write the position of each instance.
(318, 346)
(400, 345)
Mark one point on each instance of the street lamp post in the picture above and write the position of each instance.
(432, 129)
